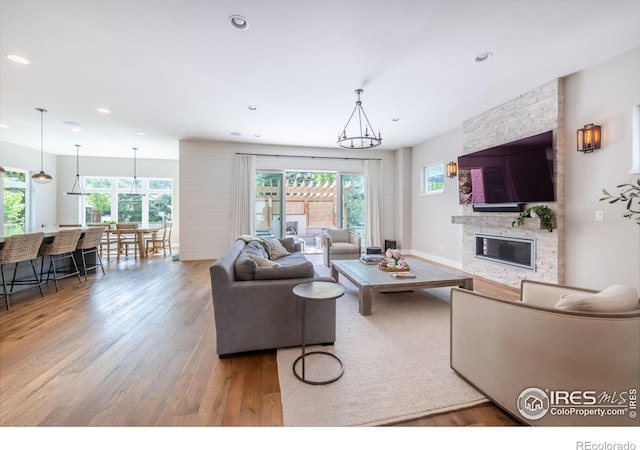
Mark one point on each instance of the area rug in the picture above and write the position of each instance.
(396, 365)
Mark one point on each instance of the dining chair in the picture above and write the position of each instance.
(161, 240)
(62, 246)
(90, 243)
(109, 239)
(127, 234)
(15, 250)
(69, 225)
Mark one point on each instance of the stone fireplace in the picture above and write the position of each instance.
(533, 112)
(546, 259)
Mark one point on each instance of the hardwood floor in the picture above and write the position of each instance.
(137, 348)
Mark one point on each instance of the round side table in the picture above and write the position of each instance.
(316, 291)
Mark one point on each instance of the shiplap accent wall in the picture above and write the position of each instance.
(205, 187)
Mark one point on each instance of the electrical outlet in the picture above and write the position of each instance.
(599, 216)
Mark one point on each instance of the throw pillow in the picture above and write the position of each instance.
(289, 244)
(263, 262)
(275, 248)
(615, 298)
(257, 249)
(303, 270)
(245, 267)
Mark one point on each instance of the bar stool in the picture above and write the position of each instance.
(63, 245)
(16, 249)
(90, 243)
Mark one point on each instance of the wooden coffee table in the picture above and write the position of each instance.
(369, 279)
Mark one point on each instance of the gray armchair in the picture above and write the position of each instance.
(340, 244)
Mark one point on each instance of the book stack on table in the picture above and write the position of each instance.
(371, 259)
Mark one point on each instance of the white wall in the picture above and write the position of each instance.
(43, 196)
(608, 252)
(68, 205)
(205, 188)
(402, 198)
(433, 236)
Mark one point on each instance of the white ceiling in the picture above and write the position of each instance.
(176, 69)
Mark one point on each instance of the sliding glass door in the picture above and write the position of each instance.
(269, 204)
(303, 204)
(352, 203)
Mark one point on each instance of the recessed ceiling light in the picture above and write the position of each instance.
(256, 135)
(395, 119)
(103, 110)
(17, 58)
(141, 133)
(482, 57)
(252, 107)
(76, 130)
(238, 22)
(235, 133)
(4, 125)
(71, 123)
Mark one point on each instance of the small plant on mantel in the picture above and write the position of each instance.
(542, 211)
(628, 193)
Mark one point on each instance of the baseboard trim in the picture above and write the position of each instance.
(435, 258)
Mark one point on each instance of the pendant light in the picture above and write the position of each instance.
(41, 177)
(77, 183)
(135, 190)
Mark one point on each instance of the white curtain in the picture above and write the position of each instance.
(243, 194)
(373, 179)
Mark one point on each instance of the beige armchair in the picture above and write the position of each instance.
(340, 244)
(549, 366)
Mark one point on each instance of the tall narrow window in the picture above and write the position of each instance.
(160, 200)
(98, 202)
(635, 145)
(15, 202)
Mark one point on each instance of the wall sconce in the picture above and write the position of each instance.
(452, 169)
(589, 138)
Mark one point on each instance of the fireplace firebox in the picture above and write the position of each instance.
(506, 250)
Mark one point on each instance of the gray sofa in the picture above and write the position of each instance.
(254, 306)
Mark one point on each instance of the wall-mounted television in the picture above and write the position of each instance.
(513, 173)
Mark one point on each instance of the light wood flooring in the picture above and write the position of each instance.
(137, 348)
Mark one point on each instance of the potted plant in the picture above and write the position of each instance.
(541, 211)
(628, 193)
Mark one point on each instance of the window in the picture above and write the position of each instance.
(114, 200)
(635, 146)
(432, 179)
(15, 202)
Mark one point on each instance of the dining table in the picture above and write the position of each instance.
(150, 230)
